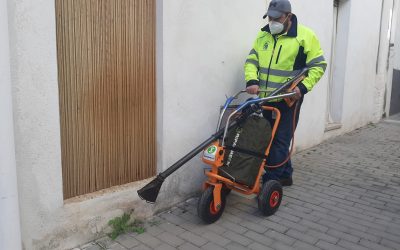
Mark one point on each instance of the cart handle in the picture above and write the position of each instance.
(229, 101)
(253, 101)
(271, 96)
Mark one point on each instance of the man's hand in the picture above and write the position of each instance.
(253, 89)
(297, 96)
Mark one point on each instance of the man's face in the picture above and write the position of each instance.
(284, 19)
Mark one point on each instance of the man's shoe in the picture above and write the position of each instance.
(286, 181)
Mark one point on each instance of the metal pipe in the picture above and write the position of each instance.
(227, 103)
(194, 152)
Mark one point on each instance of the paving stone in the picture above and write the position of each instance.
(212, 246)
(366, 236)
(165, 247)
(194, 239)
(230, 217)
(172, 218)
(171, 239)
(291, 224)
(350, 245)
(215, 228)
(314, 225)
(237, 238)
(385, 235)
(346, 195)
(300, 245)
(235, 246)
(253, 226)
(260, 238)
(281, 246)
(280, 237)
(353, 225)
(328, 246)
(299, 214)
(127, 241)
(258, 246)
(172, 228)
(188, 246)
(116, 246)
(389, 243)
(373, 245)
(149, 240)
(301, 236)
(296, 207)
(343, 235)
(273, 225)
(141, 247)
(105, 242)
(333, 225)
(287, 216)
(322, 236)
(234, 227)
(215, 238)
(154, 230)
(194, 228)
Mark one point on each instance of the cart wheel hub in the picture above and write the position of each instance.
(213, 210)
(274, 199)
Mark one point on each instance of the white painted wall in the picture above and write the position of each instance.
(201, 49)
(396, 34)
(48, 222)
(360, 74)
(361, 64)
(383, 76)
(205, 47)
(10, 234)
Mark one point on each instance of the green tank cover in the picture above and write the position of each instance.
(250, 139)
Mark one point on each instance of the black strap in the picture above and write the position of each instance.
(246, 151)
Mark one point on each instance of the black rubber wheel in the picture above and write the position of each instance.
(270, 197)
(226, 191)
(205, 206)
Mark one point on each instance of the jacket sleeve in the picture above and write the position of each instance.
(251, 67)
(315, 62)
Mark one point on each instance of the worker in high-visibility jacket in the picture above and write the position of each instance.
(280, 51)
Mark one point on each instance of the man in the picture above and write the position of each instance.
(280, 51)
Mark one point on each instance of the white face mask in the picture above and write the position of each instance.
(276, 27)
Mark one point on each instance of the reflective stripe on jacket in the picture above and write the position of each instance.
(275, 59)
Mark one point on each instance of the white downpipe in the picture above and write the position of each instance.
(10, 233)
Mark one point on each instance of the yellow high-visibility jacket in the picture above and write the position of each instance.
(275, 59)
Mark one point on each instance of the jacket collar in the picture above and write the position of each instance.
(292, 31)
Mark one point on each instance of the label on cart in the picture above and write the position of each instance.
(210, 152)
(237, 136)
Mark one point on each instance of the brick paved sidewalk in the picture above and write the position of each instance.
(346, 195)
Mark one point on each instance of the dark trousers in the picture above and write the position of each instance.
(281, 144)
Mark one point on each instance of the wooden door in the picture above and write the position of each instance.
(106, 72)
